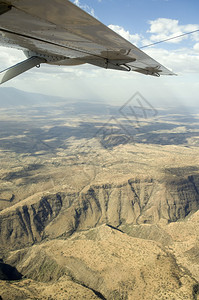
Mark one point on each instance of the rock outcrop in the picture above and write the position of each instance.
(137, 201)
(23, 225)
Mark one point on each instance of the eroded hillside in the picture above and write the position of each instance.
(136, 201)
(91, 211)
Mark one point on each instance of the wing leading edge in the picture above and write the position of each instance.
(60, 33)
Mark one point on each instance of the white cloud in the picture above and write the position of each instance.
(85, 7)
(196, 47)
(10, 57)
(163, 28)
(76, 2)
(133, 38)
(181, 61)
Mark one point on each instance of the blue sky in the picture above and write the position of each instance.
(142, 22)
(134, 15)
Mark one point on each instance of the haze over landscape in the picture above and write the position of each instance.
(99, 170)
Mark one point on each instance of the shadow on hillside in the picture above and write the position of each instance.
(8, 272)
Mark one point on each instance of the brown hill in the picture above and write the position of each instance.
(116, 224)
(137, 201)
(103, 263)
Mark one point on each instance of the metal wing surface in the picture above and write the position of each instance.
(58, 32)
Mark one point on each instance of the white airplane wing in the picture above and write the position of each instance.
(60, 33)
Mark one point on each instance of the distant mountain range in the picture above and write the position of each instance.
(14, 97)
(11, 97)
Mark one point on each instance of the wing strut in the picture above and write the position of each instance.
(20, 68)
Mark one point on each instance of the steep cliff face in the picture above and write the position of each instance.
(182, 197)
(25, 225)
(137, 201)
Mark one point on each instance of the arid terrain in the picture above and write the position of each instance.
(98, 201)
